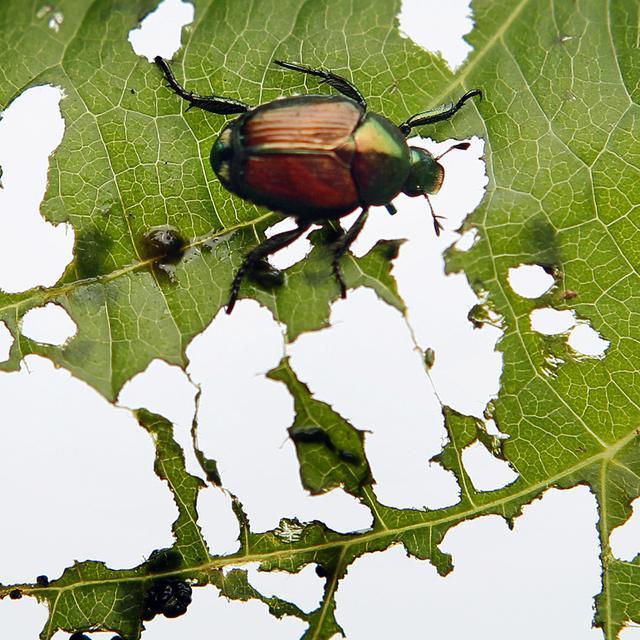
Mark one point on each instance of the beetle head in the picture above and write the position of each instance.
(425, 174)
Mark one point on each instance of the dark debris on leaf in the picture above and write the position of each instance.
(311, 435)
(349, 457)
(167, 596)
(163, 243)
(317, 435)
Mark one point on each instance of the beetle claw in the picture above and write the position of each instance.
(437, 225)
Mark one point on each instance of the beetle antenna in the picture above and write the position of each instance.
(437, 225)
(463, 146)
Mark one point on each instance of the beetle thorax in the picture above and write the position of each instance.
(425, 174)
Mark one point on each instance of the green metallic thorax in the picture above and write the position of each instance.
(381, 162)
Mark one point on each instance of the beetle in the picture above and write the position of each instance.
(318, 158)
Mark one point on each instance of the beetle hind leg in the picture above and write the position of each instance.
(333, 80)
(341, 246)
(255, 256)
(213, 104)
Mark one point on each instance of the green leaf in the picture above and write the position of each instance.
(330, 450)
(564, 193)
(561, 123)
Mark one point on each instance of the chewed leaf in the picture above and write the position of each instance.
(561, 121)
(133, 161)
(330, 450)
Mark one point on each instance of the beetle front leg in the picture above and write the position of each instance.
(213, 104)
(269, 246)
(444, 112)
(341, 246)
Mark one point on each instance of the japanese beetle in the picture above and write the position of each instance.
(317, 158)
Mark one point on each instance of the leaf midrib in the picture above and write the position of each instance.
(39, 294)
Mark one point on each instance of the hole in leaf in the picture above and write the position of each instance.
(444, 490)
(34, 251)
(439, 28)
(379, 385)
(142, 391)
(256, 459)
(6, 341)
(304, 588)
(492, 429)
(485, 470)
(551, 321)
(146, 390)
(56, 18)
(67, 441)
(530, 280)
(50, 324)
(625, 539)
(224, 618)
(467, 240)
(160, 31)
(218, 523)
(586, 340)
(548, 562)
(22, 619)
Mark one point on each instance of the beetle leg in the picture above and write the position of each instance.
(269, 246)
(337, 82)
(443, 112)
(214, 104)
(341, 246)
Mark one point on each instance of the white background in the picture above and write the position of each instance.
(77, 473)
